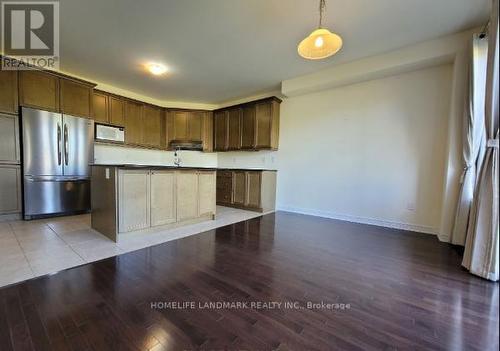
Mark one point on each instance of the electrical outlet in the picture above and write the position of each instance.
(410, 206)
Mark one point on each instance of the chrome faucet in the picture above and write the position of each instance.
(177, 159)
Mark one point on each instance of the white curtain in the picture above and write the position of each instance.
(481, 246)
(473, 135)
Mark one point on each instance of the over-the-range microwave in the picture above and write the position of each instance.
(113, 134)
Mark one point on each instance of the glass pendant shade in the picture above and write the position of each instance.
(320, 44)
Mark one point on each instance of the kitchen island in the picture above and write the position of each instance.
(131, 199)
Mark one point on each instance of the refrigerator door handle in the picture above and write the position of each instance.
(59, 139)
(66, 144)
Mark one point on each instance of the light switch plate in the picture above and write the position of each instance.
(107, 173)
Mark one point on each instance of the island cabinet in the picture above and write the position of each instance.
(163, 197)
(250, 126)
(145, 198)
(134, 200)
(248, 189)
(187, 195)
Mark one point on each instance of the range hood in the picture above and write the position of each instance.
(187, 145)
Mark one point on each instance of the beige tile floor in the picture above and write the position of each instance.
(33, 248)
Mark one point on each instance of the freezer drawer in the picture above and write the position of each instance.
(49, 195)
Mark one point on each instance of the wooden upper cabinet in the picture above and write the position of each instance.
(267, 124)
(248, 123)
(190, 125)
(134, 122)
(263, 115)
(153, 126)
(100, 107)
(251, 126)
(234, 139)
(221, 130)
(76, 98)
(195, 126)
(8, 92)
(39, 89)
(180, 125)
(116, 111)
(208, 131)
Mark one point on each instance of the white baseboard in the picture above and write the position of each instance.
(362, 220)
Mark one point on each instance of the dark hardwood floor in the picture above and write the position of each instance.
(399, 290)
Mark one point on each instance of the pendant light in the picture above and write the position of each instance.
(321, 43)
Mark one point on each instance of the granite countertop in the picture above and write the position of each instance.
(182, 167)
(154, 166)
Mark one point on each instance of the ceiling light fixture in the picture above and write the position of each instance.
(321, 43)
(156, 69)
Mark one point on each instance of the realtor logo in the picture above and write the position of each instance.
(30, 34)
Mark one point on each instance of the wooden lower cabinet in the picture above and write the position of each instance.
(163, 204)
(187, 195)
(10, 189)
(239, 188)
(156, 197)
(252, 190)
(224, 187)
(9, 139)
(134, 200)
(206, 193)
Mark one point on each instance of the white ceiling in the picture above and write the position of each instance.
(219, 50)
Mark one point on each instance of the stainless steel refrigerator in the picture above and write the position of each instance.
(57, 152)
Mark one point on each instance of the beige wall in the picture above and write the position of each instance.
(371, 152)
